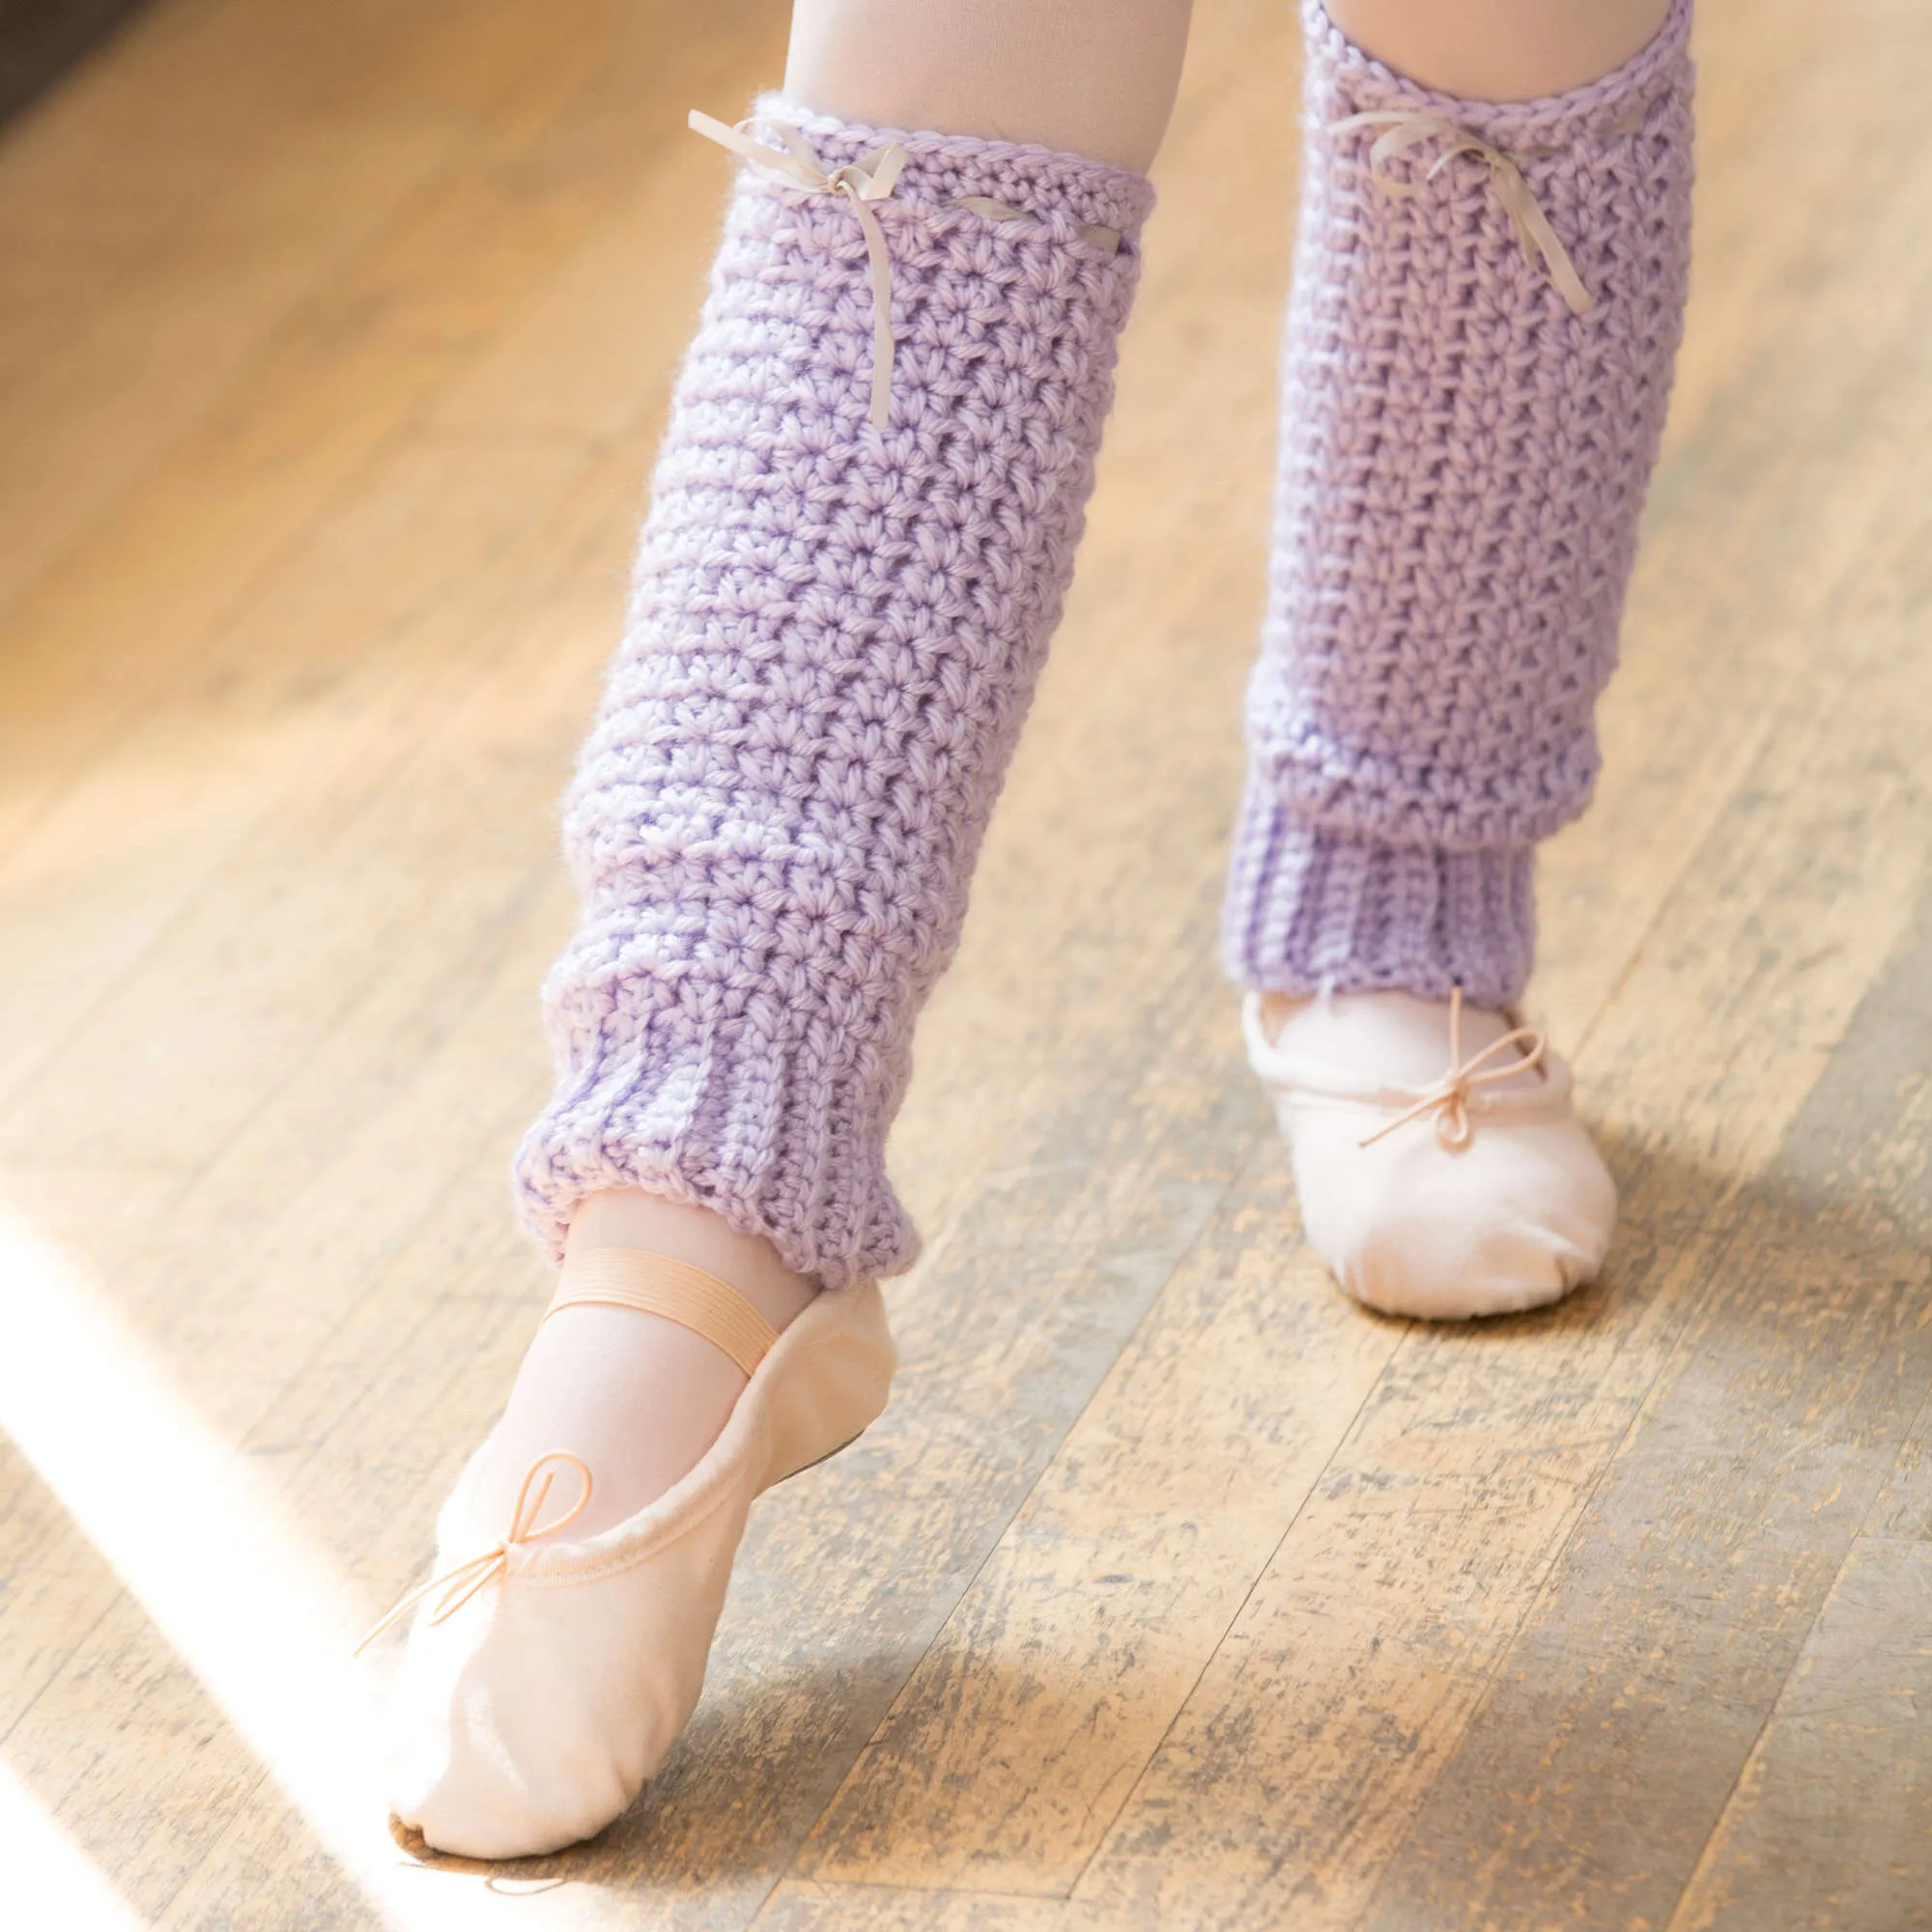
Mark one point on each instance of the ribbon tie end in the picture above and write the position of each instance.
(1535, 235)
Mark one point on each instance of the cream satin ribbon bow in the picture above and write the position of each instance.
(1403, 130)
(1449, 1098)
(859, 183)
(462, 1582)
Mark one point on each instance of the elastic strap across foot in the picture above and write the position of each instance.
(657, 1285)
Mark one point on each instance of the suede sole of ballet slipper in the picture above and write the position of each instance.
(531, 1718)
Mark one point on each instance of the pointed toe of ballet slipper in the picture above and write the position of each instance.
(1468, 1199)
(529, 1716)
(534, 1715)
(497, 1753)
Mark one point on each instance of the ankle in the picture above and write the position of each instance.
(1278, 1008)
(629, 1217)
(639, 1399)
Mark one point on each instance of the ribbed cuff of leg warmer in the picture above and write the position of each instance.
(769, 1107)
(1312, 911)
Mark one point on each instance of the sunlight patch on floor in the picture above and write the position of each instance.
(50, 1881)
(209, 1554)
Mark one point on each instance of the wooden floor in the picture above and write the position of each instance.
(1172, 1592)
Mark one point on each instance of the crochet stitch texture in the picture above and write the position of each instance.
(1462, 465)
(833, 637)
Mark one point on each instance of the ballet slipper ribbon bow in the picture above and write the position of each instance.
(458, 1584)
(858, 182)
(1449, 1098)
(1403, 130)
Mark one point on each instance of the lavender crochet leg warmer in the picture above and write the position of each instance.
(1462, 463)
(833, 637)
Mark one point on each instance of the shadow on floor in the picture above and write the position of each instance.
(42, 39)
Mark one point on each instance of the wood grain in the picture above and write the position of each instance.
(1831, 1823)
(1172, 1592)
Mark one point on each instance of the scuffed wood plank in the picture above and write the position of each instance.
(1624, 1712)
(1904, 1506)
(1746, 536)
(163, 227)
(355, 659)
(1831, 1826)
(1003, 1761)
(160, 587)
(806, 1905)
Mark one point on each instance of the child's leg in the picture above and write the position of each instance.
(1501, 50)
(862, 524)
(1487, 302)
(1093, 77)
(793, 854)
